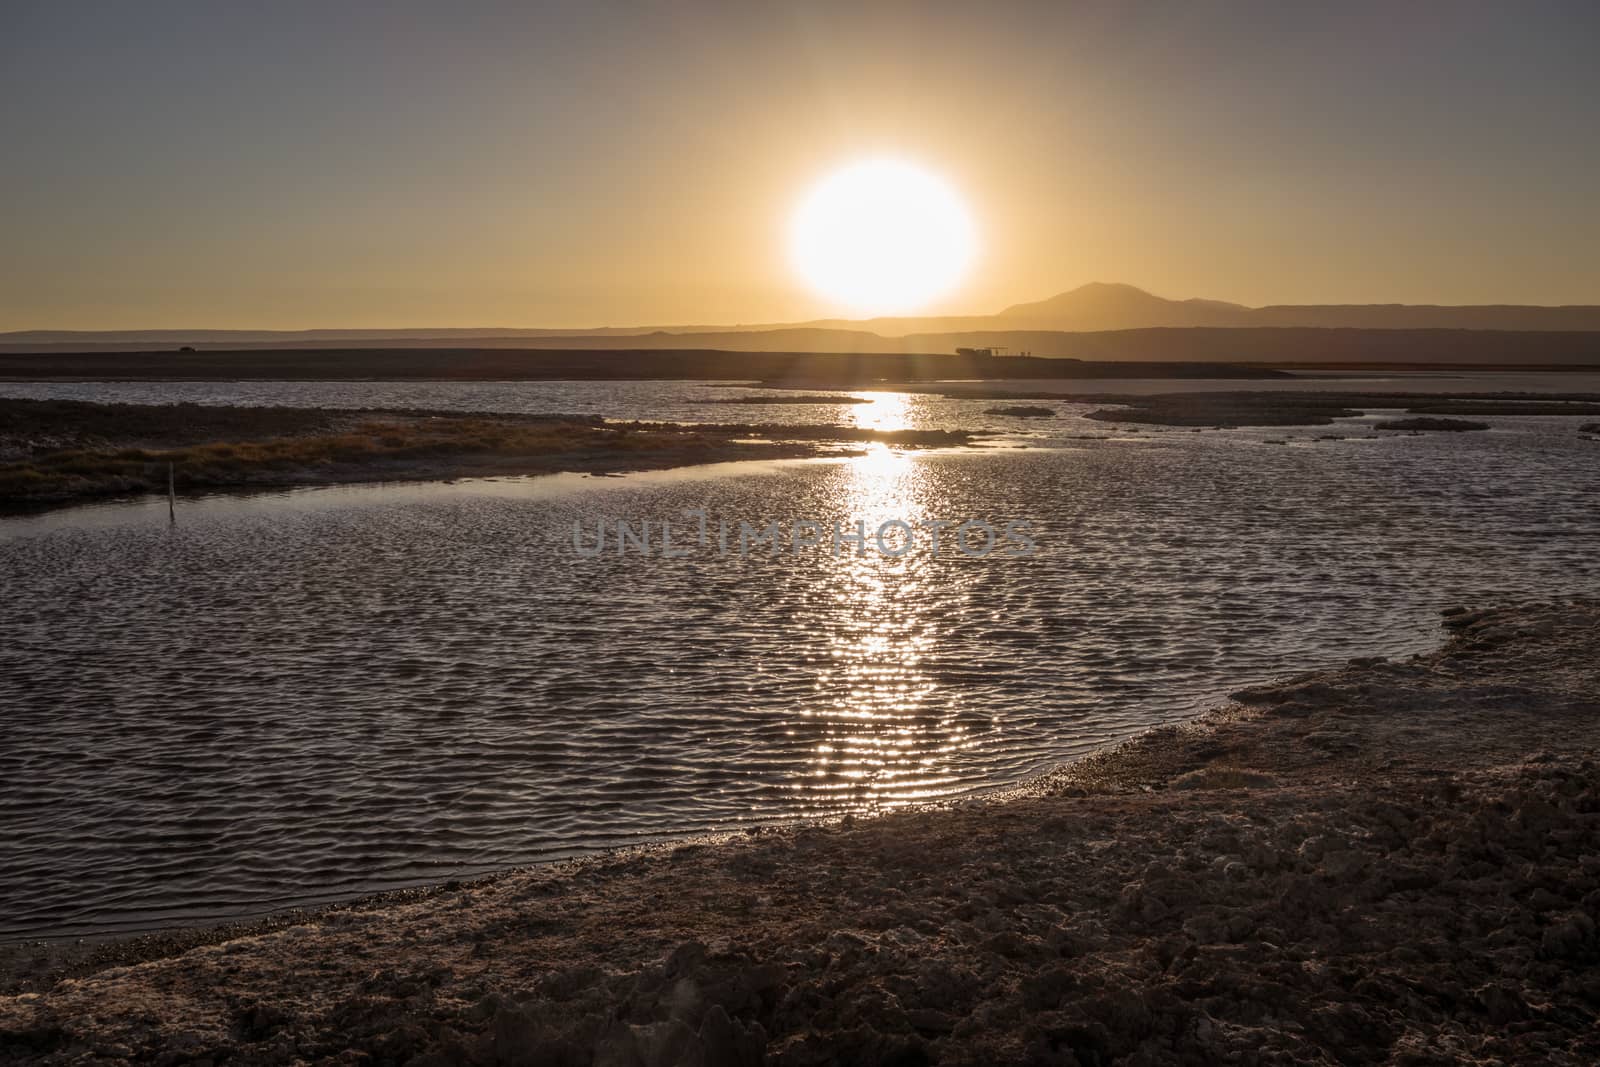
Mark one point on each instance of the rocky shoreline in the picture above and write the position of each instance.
(1390, 862)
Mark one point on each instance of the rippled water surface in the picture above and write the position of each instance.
(295, 696)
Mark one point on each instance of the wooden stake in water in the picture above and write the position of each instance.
(172, 495)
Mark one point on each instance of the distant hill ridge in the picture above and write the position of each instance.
(1093, 307)
(1105, 306)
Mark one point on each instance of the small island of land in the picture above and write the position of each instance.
(1288, 408)
(1426, 423)
(60, 451)
(1023, 411)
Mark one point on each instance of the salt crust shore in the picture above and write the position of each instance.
(1391, 862)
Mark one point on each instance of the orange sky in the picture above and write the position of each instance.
(184, 165)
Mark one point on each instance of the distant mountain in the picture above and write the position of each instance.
(1101, 306)
(1431, 316)
(1108, 306)
(1053, 327)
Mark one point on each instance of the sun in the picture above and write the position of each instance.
(882, 237)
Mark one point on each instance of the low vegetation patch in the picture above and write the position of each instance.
(1449, 425)
(1504, 407)
(46, 421)
(118, 469)
(59, 450)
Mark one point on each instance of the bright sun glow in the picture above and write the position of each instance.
(882, 237)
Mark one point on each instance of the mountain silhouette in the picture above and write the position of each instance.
(1115, 306)
(1108, 306)
(1060, 325)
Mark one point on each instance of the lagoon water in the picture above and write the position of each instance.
(292, 697)
(698, 401)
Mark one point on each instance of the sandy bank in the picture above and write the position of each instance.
(1390, 862)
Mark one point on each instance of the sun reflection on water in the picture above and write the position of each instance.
(886, 411)
(878, 741)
